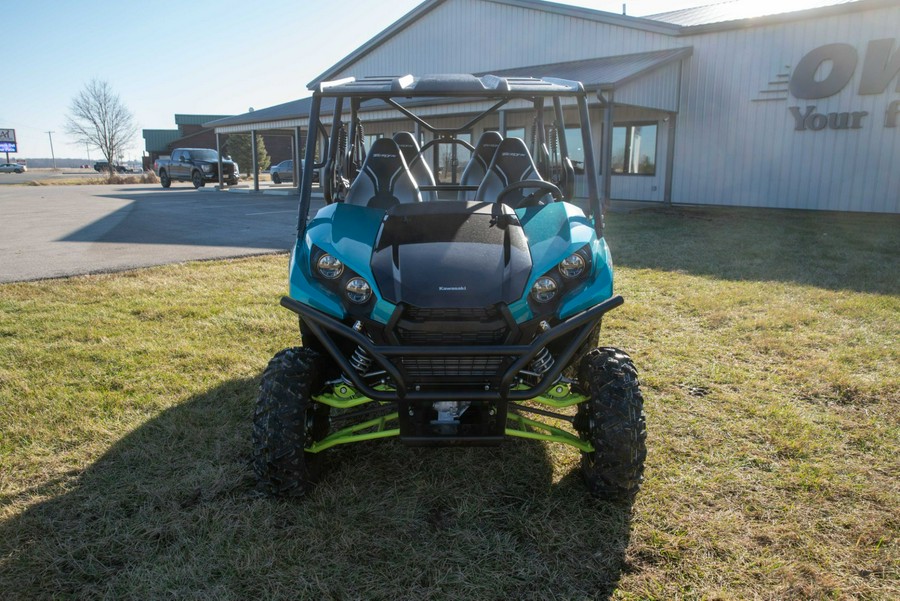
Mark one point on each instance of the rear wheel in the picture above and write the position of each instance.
(197, 179)
(287, 420)
(613, 421)
(164, 179)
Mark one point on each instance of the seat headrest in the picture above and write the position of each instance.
(486, 147)
(512, 161)
(408, 146)
(384, 179)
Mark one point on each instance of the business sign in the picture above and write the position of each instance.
(8, 140)
(828, 69)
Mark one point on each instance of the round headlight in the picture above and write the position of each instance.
(358, 291)
(544, 290)
(572, 266)
(330, 267)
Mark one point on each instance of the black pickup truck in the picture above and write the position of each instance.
(196, 165)
(101, 166)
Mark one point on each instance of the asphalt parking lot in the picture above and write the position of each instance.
(46, 175)
(54, 231)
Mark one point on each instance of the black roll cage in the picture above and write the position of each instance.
(427, 91)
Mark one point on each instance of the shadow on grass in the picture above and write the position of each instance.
(835, 251)
(171, 511)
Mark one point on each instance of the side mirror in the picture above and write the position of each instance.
(227, 157)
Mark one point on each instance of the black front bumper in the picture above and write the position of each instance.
(516, 357)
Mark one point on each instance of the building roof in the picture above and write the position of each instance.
(603, 73)
(733, 10)
(295, 109)
(749, 13)
(595, 74)
(158, 140)
(196, 119)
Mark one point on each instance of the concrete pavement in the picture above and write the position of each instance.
(58, 231)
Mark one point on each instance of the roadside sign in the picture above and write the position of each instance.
(8, 140)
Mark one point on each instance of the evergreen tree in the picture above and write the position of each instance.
(239, 147)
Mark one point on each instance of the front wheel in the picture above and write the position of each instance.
(276, 179)
(197, 179)
(613, 421)
(287, 420)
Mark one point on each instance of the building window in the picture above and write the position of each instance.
(516, 132)
(452, 159)
(634, 149)
(575, 146)
(369, 139)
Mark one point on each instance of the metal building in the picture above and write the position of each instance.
(710, 105)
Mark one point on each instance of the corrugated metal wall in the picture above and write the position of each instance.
(734, 151)
(469, 36)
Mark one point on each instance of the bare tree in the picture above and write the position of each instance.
(99, 118)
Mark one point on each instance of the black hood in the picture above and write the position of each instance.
(451, 254)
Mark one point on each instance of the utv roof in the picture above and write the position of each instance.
(463, 85)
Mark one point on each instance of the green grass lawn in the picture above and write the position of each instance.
(767, 345)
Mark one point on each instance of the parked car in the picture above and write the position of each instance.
(101, 166)
(12, 168)
(196, 165)
(284, 172)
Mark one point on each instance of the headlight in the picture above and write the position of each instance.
(544, 289)
(329, 267)
(358, 290)
(207, 167)
(572, 266)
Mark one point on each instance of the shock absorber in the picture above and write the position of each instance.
(360, 360)
(542, 363)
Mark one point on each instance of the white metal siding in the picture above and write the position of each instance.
(470, 36)
(734, 151)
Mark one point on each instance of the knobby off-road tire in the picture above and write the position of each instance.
(164, 179)
(614, 423)
(286, 421)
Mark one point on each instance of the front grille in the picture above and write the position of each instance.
(447, 369)
(451, 327)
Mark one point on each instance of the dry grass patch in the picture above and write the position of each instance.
(767, 347)
(148, 177)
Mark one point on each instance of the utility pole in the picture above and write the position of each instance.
(52, 154)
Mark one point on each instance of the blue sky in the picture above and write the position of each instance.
(200, 56)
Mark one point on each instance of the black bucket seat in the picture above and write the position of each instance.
(383, 179)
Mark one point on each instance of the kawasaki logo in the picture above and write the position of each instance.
(452, 288)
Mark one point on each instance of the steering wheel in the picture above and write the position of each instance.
(531, 199)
